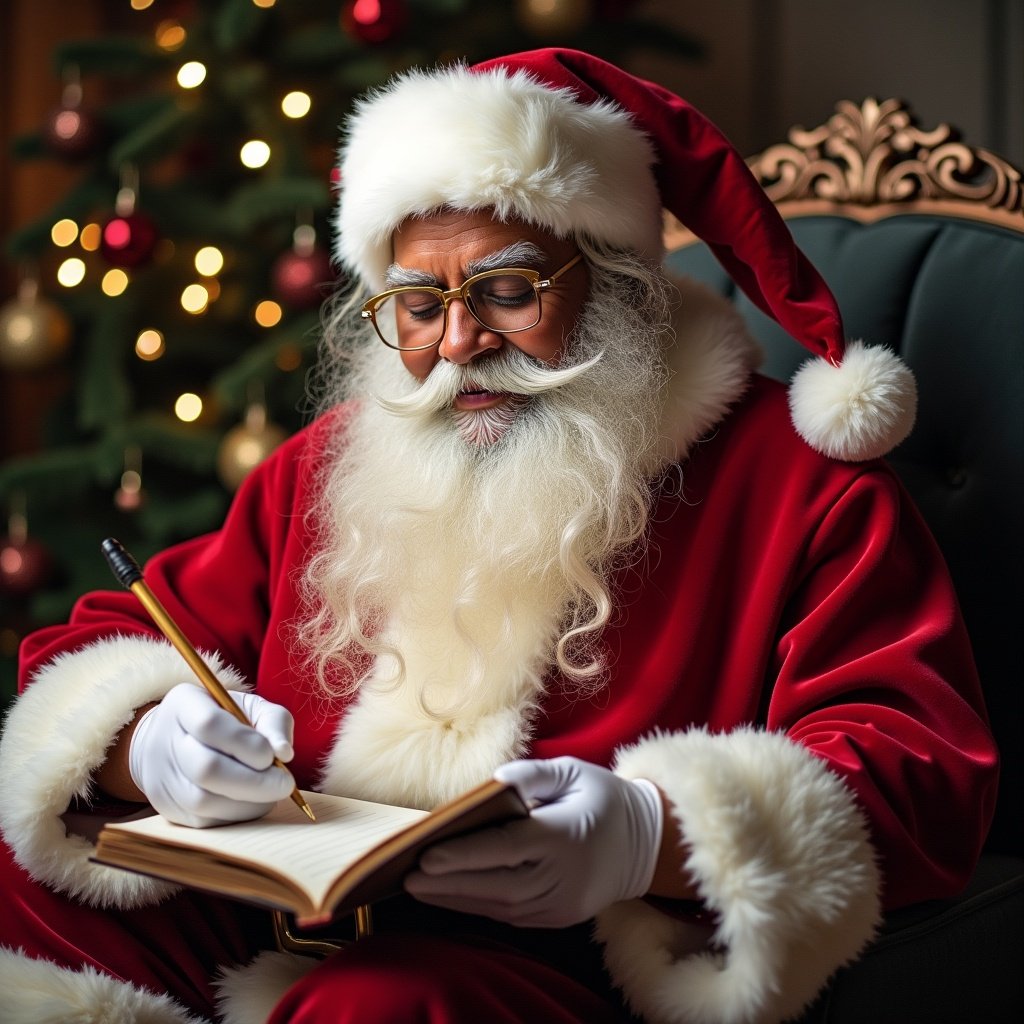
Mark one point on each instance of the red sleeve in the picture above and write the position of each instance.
(876, 675)
(221, 588)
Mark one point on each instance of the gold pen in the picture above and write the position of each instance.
(129, 575)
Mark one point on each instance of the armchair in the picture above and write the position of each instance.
(921, 238)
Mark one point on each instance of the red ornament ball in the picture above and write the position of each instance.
(300, 279)
(25, 565)
(128, 240)
(374, 21)
(73, 133)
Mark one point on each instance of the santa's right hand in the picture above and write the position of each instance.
(198, 765)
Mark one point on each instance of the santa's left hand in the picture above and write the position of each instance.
(592, 839)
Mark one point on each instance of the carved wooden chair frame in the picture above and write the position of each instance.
(872, 161)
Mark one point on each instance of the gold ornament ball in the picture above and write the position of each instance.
(244, 447)
(33, 333)
(547, 18)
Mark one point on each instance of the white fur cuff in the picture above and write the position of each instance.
(41, 992)
(56, 735)
(780, 854)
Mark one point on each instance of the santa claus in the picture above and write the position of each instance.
(550, 526)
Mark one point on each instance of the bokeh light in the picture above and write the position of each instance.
(71, 272)
(267, 313)
(195, 298)
(170, 35)
(149, 345)
(191, 74)
(296, 104)
(90, 237)
(64, 232)
(189, 407)
(255, 153)
(209, 261)
(114, 282)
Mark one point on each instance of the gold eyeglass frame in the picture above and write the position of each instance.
(446, 296)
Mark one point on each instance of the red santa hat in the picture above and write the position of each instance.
(570, 143)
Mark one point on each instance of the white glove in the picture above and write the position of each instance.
(593, 840)
(199, 766)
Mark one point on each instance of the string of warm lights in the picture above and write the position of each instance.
(197, 296)
(161, 312)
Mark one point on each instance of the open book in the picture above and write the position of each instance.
(357, 852)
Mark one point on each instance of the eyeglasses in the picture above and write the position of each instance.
(506, 300)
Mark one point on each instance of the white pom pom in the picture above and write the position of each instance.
(858, 410)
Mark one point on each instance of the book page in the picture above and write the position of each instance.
(288, 842)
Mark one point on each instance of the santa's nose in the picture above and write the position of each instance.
(466, 338)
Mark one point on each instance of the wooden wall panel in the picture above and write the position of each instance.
(771, 64)
(29, 90)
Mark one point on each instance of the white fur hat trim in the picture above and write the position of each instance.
(508, 142)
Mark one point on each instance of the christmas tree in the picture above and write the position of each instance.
(177, 285)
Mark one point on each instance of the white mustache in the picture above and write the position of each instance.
(511, 373)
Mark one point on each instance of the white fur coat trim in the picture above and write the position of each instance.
(247, 994)
(387, 748)
(779, 852)
(56, 735)
(58, 732)
(710, 359)
(40, 992)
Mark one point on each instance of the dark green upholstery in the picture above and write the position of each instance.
(948, 295)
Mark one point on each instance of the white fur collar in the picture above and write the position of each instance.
(711, 361)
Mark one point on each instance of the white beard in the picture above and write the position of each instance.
(488, 426)
(467, 558)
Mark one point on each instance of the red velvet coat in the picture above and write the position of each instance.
(820, 607)
(788, 663)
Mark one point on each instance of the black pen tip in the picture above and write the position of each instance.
(122, 565)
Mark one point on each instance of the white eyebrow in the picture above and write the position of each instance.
(518, 254)
(397, 276)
